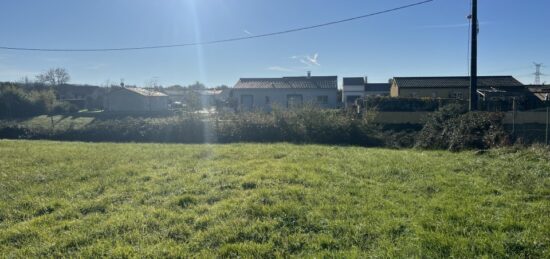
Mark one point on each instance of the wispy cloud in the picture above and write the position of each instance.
(248, 32)
(309, 61)
(280, 69)
(299, 62)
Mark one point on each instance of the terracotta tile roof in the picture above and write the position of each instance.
(314, 82)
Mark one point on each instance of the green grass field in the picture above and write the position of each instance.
(279, 200)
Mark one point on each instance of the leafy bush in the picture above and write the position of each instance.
(17, 103)
(20, 102)
(304, 125)
(409, 104)
(454, 129)
(165, 130)
(64, 108)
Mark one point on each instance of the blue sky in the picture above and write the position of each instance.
(427, 40)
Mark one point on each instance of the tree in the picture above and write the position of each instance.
(197, 86)
(192, 101)
(222, 87)
(54, 76)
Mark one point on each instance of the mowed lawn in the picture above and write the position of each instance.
(277, 200)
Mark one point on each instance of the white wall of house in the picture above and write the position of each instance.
(352, 92)
(127, 101)
(265, 99)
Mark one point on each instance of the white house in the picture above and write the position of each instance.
(126, 99)
(286, 92)
(358, 87)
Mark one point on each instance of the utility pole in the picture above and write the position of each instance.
(473, 66)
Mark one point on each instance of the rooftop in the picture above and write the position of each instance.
(377, 87)
(145, 92)
(457, 82)
(313, 82)
(354, 81)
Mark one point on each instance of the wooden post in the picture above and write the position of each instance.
(513, 115)
(473, 65)
(547, 123)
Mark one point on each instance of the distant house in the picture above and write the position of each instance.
(83, 96)
(125, 99)
(353, 88)
(208, 97)
(358, 87)
(450, 87)
(541, 92)
(265, 93)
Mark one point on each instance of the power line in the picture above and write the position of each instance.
(223, 40)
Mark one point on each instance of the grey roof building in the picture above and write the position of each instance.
(358, 87)
(126, 99)
(264, 93)
(456, 82)
(449, 87)
(377, 88)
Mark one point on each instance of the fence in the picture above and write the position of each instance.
(531, 126)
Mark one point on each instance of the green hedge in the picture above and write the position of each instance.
(449, 128)
(409, 104)
(16, 102)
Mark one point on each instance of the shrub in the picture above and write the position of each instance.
(16, 103)
(480, 130)
(166, 130)
(435, 133)
(454, 129)
(409, 104)
(303, 125)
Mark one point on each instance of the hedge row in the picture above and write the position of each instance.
(449, 128)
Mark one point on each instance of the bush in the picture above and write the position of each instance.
(304, 125)
(480, 130)
(164, 130)
(409, 104)
(18, 103)
(64, 108)
(453, 128)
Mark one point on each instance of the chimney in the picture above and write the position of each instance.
(366, 79)
(308, 74)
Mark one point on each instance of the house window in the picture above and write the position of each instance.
(323, 99)
(434, 95)
(294, 100)
(414, 95)
(457, 95)
(247, 102)
(267, 101)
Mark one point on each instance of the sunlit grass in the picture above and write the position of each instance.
(93, 200)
